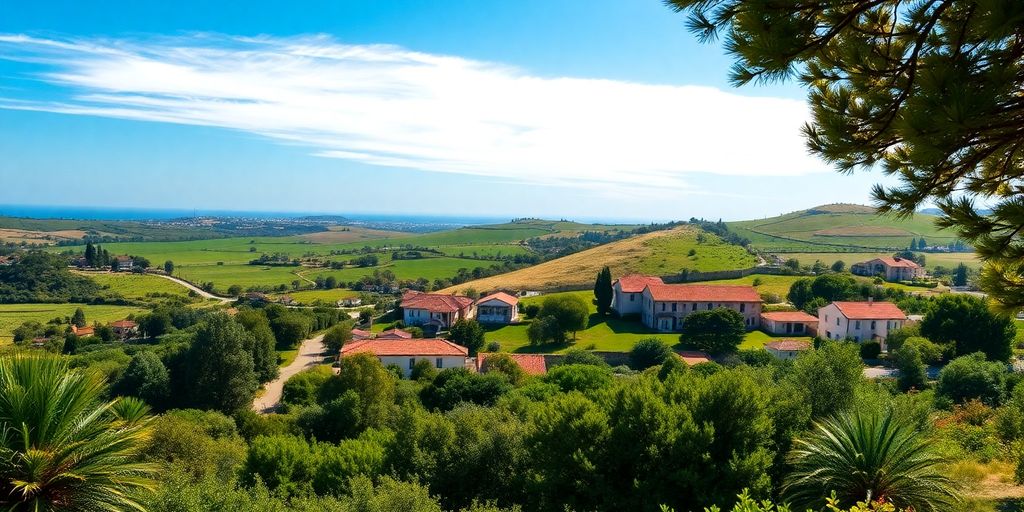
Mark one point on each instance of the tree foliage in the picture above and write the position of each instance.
(220, 371)
(929, 91)
(718, 331)
(468, 333)
(603, 291)
(967, 322)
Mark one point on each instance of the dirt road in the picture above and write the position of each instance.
(311, 353)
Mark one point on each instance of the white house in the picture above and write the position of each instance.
(891, 269)
(124, 263)
(664, 307)
(405, 353)
(787, 349)
(789, 322)
(497, 308)
(859, 321)
(627, 293)
(435, 310)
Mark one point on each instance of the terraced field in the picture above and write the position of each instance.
(136, 286)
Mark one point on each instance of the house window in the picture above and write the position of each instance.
(412, 362)
(438, 362)
(743, 307)
(663, 306)
(837, 321)
(872, 325)
(674, 305)
(856, 325)
(694, 307)
(632, 297)
(710, 305)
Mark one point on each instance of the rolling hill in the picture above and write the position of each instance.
(660, 252)
(839, 228)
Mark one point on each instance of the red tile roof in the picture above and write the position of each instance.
(123, 258)
(789, 316)
(83, 331)
(788, 345)
(501, 296)
(870, 310)
(395, 334)
(635, 283)
(124, 324)
(703, 293)
(361, 334)
(404, 347)
(435, 302)
(692, 357)
(532, 364)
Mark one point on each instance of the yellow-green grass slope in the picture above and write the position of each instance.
(658, 253)
(840, 228)
(13, 315)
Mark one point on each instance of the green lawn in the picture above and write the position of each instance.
(758, 339)
(136, 286)
(429, 268)
(13, 315)
(223, 276)
(285, 357)
(778, 285)
(669, 254)
(329, 297)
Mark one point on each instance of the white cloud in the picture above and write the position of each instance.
(389, 106)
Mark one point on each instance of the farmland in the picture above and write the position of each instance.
(660, 252)
(137, 286)
(932, 260)
(839, 228)
(13, 315)
(225, 261)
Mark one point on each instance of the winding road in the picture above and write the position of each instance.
(202, 293)
(311, 353)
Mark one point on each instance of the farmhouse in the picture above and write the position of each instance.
(890, 269)
(498, 308)
(124, 263)
(787, 349)
(83, 331)
(359, 334)
(435, 311)
(124, 329)
(664, 307)
(404, 353)
(860, 321)
(350, 302)
(627, 293)
(789, 322)
(692, 357)
(532, 364)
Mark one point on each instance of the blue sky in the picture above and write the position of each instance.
(594, 109)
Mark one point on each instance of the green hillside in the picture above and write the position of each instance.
(840, 228)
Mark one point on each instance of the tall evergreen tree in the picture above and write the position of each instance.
(927, 91)
(90, 254)
(78, 319)
(960, 275)
(913, 244)
(603, 291)
(220, 372)
(922, 244)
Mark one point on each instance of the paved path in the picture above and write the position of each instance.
(203, 293)
(310, 354)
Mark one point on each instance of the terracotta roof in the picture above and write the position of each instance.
(123, 258)
(502, 296)
(124, 324)
(692, 357)
(404, 347)
(83, 331)
(435, 302)
(361, 334)
(789, 316)
(395, 334)
(870, 310)
(788, 345)
(896, 262)
(703, 292)
(635, 283)
(532, 364)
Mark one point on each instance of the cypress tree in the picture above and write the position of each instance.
(603, 291)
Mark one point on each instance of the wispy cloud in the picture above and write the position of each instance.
(389, 106)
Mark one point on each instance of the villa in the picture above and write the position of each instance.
(436, 311)
(627, 293)
(891, 269)
(789, 322)
(497, 308)
(664, 307)
(405, 353)
(860, 321)
(787, 349)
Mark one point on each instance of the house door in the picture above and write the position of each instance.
(665, 324)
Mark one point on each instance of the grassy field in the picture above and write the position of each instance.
(329, 297)
(836, 228)
(429, 268)
(660, 252)
(13, 315)
(931, 260)
(136, 286)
